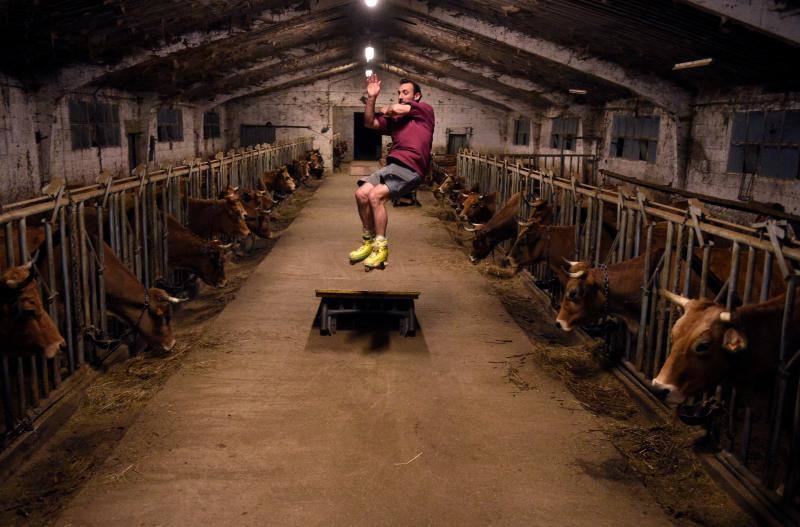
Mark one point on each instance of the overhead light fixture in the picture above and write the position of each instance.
(692, 64)
(371, 3)
(577, 91)
(369, 53)
(369, 73)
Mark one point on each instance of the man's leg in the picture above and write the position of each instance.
(378, 196)
(364, 210)
(377, 203)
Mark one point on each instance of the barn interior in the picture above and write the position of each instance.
(669, 127)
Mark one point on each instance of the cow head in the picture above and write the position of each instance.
(258, 204)
(234, 218)
(155, 322)
(211, 268)
(285, 183)
(230, 191)
(24, 324)
(479, 208)
(459, 197)
(531, 242)
(706, 341)
(582, 300)
(481, 245)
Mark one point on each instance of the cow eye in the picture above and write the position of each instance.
(702, 347)
(573, 295)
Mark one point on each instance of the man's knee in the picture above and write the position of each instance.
(378, 195)
(362, 194)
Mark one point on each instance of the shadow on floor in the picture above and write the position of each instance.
(366, 334)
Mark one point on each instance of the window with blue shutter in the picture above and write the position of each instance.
(766, 143)
(635, 138)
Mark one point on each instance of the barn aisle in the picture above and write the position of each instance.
(271, 424)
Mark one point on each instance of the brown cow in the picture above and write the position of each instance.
(190, 252)
(212, 217)
(277, 181)
(316, 166)
(25, 325)
(710, 344)
(450, 184)
(146, 311)
(299, 170)
(257, 205)
(538, 242)
(478, 208)
(503, 226)
(585, 300)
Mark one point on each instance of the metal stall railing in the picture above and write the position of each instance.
(692, 253)
(581, 167)
(67, 225)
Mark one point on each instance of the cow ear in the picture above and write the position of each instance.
(734, 341)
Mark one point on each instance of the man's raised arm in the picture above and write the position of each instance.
(373, 90)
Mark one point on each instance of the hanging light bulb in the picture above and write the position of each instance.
(369, 53)
(369, 73)
(371, 3)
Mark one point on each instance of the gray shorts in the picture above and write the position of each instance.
(399, 179)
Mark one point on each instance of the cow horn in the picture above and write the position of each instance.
(725, 317)
(570, 263)
(236, 188)
(173, 300)
(469, 230)
(679, 300)
(577, 274)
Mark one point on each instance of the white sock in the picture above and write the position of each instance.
(381, 240)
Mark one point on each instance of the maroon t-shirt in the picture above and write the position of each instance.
(412, 136)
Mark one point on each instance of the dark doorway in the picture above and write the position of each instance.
(133, 151)
(456, 142)
(366, 142)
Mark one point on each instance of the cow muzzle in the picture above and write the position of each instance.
(563, 325)
(53, 349)
(666, 392)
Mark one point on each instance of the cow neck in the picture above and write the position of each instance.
(761, 323)
(125, 303)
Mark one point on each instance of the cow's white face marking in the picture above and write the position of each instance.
(563, 324)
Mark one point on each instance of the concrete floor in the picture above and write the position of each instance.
(271, 424)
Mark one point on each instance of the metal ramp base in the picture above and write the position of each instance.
(396, 304)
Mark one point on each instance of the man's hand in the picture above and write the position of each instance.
(373, 86)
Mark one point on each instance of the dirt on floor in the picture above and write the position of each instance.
(661, 455)
(36, 493)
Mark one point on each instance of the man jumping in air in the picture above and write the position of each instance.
(410, 123)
